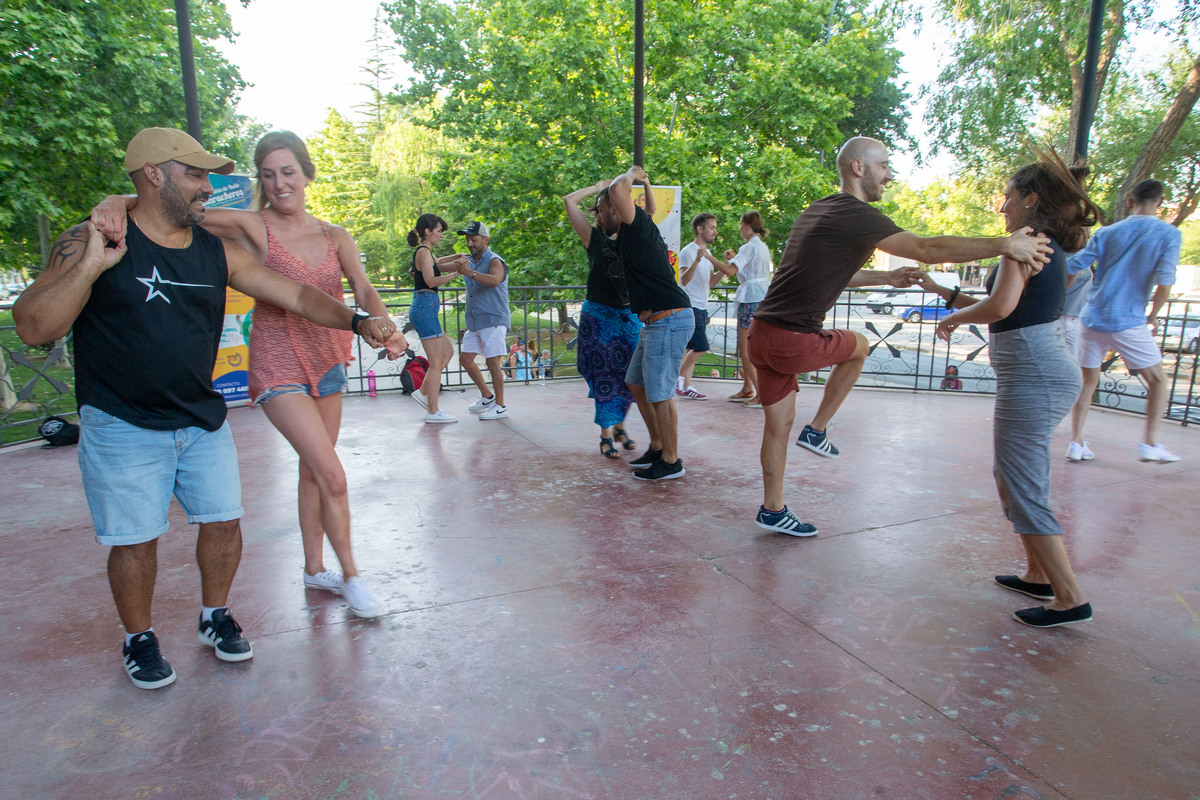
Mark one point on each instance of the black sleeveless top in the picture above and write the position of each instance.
(606, 278)
(1042, 300)
(418, 276)
(146, 342)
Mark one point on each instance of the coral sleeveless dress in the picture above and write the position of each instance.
(285, 348)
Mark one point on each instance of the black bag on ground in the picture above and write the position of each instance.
(58, 432)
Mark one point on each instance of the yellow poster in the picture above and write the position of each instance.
(668, 209)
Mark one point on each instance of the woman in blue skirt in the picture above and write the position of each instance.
(608, 330)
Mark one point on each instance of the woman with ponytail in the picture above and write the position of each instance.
(427, 279)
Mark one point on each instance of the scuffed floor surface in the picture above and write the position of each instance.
(555, 629)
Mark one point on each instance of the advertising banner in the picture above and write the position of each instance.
(230, 375)
(668, 211)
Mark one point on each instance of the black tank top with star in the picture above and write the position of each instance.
(146, 341)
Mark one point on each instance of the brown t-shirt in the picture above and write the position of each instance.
(829, 242)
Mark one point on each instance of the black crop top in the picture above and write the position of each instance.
(1042, 300)
(418, 276)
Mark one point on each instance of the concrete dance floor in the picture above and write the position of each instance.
(555, 629)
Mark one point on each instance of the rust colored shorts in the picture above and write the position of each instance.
(780, 355)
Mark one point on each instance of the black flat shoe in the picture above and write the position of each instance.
(1041, 617)
(1038, 591)
(607, 449)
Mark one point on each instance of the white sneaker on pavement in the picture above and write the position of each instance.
(1157, 453)
(360, 599)
(330, 581)
(440, 417)
(495, 411)
(482, 404)
(1079, 451)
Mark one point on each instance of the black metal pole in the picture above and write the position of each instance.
(187, 62)
(639, 45)
(1087, 100)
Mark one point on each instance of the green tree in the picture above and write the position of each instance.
(947, 206)
(79, 78)
(745, 102)
(1190, 252)
(1017, 72)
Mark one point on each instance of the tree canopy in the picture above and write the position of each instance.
(746, 102)
(77, 82)
(1016, 74)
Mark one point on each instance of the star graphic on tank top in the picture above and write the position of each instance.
(155, 280)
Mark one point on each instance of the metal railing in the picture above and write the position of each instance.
(904, 353)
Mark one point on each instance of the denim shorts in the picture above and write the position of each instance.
(699, 341)
(333, 382)
(658, 355)
(423, 314)
(130, 473)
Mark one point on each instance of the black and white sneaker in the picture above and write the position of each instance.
(661, 471)
(783, 522)
(224, 635)
(645, 459)
(144, 663)
(816, 441)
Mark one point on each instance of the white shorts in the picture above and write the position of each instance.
(1071, 326)
(488, 341)
(1136, 345)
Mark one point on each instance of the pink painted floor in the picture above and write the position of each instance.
(555, 629)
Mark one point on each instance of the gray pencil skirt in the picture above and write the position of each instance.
(1037, 382)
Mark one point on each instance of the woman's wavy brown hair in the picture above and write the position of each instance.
(1063, 211)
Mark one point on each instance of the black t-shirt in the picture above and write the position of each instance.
(606, 279)
(829, 242)
(1042, 300)
(146, 342)
(418, 276)
(647, 266)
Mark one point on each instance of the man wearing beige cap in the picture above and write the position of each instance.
(147, 314)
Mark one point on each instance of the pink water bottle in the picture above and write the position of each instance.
(371, 382)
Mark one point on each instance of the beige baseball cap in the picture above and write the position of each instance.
(160, 145)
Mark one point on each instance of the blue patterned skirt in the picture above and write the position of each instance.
(607, 337)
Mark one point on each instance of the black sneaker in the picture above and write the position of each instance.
(145, 665)
(645, 459)
(225, 636)
(661, 471)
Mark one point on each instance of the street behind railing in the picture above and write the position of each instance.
(898, 324)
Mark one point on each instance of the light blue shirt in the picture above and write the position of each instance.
(1131, 257)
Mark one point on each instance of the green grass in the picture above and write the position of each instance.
(20, 423)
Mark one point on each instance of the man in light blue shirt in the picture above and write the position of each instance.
(1131, 256)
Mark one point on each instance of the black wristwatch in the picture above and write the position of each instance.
(358, 317)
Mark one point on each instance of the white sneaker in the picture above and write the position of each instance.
(1156, 452)
(1079, 451)
(439, 417)
(481, 405)
(421, 399)
(495, 411)
(360, 599)
(330, 580)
